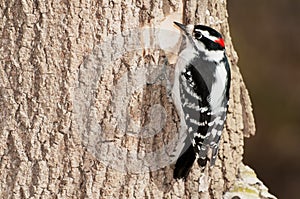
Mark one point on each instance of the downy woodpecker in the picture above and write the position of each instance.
(200, 94)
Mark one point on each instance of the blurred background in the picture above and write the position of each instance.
(266, 35)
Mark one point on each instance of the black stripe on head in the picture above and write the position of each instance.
(210, 45)
(211, 31)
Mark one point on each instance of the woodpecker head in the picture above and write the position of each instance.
(203, 38)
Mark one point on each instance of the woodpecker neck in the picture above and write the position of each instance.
(209, 55)
(214, 55)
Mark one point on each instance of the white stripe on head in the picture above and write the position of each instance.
(206, 34)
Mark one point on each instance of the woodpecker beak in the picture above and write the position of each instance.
(188, 31)
(181, 26)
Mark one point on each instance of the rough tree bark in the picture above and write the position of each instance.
(45, 151)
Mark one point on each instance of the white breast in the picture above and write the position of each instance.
(218, 89)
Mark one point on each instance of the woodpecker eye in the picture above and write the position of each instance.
(197, 35)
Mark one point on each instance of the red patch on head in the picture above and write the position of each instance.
(221, 42)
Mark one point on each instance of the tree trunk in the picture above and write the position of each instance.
(85, 111)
